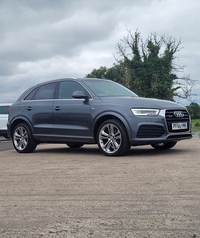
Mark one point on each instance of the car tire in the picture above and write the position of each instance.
(112, 138)
(75, 145)
(164, 145)
(22, 139)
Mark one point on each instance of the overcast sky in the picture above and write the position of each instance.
(43, 40)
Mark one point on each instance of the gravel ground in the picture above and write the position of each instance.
(5, 144)
(61, 192)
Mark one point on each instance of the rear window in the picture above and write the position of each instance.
(4, 109)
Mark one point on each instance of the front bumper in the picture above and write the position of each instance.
(159, 129)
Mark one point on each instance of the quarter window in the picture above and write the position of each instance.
(31, 95)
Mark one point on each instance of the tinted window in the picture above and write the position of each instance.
(4, 109)
(67, 88)
(46, 91)
(31, 95)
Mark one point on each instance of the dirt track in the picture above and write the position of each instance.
(60, 192)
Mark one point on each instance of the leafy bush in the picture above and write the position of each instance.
(197, 124)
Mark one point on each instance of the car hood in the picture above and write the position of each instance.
(140, 102)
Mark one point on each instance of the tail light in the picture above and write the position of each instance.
(9, 109)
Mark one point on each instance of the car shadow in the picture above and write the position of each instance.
(147, 151)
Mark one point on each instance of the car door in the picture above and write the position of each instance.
(38, 108)
(72, 119)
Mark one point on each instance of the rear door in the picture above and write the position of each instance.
(72, 119)
(38, 108)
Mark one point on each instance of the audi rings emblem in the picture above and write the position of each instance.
(178, 114)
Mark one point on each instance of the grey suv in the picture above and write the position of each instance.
(94, 111)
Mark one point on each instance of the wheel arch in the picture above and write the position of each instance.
(104, 117)
(18, 121)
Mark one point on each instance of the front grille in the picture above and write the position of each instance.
(150, 131)
(177, 116)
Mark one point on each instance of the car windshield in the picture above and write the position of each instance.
(108, 88)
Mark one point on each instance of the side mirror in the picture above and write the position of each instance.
(79, 95)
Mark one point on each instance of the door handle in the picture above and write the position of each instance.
(57, 108)
(29, 108)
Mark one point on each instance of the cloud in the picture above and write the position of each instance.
(43, 40)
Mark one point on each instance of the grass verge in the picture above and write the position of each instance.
(195, 125)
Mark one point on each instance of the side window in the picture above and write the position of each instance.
(67, 88)
(4, 109)
(46, 91)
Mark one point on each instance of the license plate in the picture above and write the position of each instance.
(179, 126)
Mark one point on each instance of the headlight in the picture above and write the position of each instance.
(145, 112)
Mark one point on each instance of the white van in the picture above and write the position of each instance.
(4, 118)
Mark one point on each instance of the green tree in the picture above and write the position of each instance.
(115, 73)
(194, 110)
(148, 68)
(98, 73)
